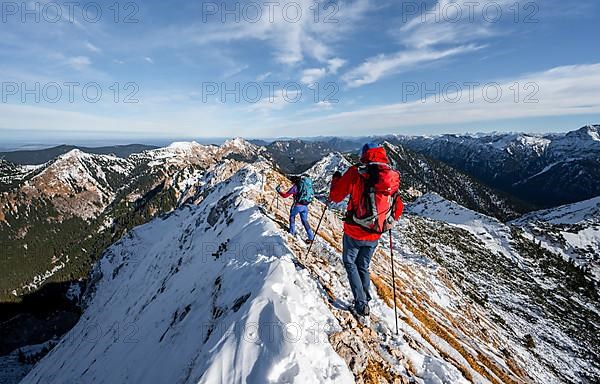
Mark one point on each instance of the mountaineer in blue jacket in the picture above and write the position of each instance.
(302, 191)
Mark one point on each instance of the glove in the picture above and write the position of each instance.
(337, 175)
(278, 189)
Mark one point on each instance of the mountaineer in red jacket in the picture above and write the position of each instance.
(374, 205)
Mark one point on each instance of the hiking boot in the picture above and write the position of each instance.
(309, 241)
(365, 310)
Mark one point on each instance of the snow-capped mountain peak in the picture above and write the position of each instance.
(239, 143)
(328, 165)
(79, 174)
(184, 146)
(593, 132)
(589, 132)
(241, 148)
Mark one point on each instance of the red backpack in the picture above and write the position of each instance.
(380, 202)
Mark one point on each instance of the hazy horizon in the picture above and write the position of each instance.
(38, 144)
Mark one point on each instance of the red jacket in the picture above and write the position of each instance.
(349, 184)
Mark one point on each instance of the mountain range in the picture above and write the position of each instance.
(40, 156)
(564, 166)
(187, 248)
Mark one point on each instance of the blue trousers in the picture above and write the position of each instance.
(302, 210)
(357, 257)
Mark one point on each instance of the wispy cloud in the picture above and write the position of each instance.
(561, 91)
(312, 75)
(335, 64)
(92, 47)
(235, 71)
(79, 63)
(263, 76)
(441, 32)
(292, 39)
(380, 66)
(451, 22)
(279, 100)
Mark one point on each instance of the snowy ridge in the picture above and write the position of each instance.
(572, 231)
(567, 214)
(240, 314)
(580, 141)
(198, 154)
(177, 153)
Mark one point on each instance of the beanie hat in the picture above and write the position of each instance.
(366, 147)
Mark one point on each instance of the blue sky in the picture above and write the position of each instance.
(421, 67)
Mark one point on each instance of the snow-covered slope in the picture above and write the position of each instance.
(82, 184)
(572, 231)
(528, 289)
(11, 173)
(78, 183)
(194, 298)
(495, 235)
(587, 210)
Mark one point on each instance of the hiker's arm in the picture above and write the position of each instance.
(340, 186)
(291, 192)
(398, 203)
(398, 208)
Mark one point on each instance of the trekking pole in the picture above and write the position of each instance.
(317, 230)
(272, 202)
(393, 281)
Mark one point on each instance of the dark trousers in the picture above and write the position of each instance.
(357, 257)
